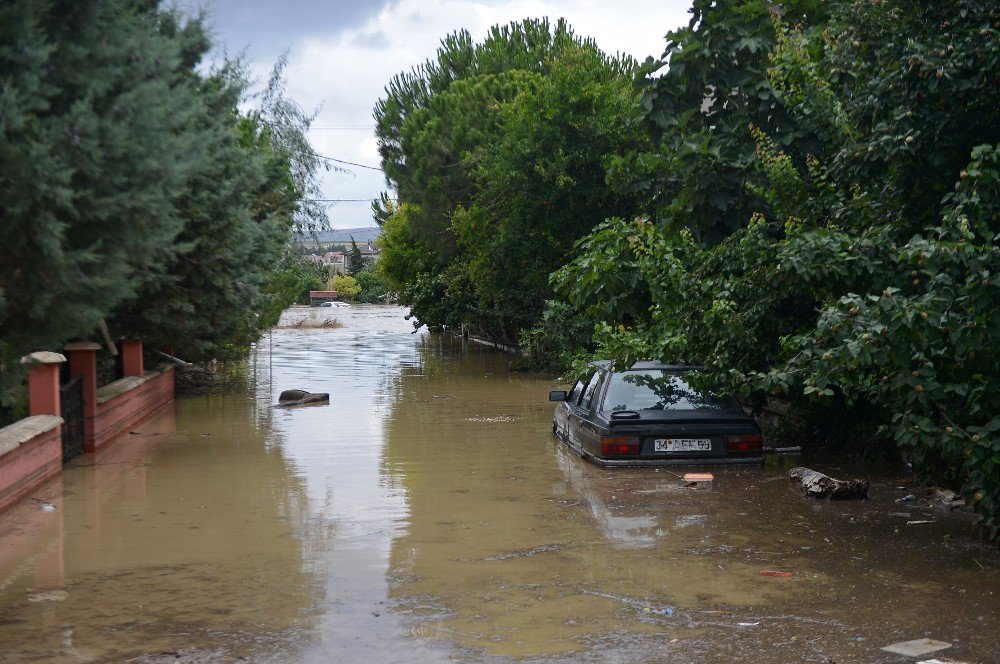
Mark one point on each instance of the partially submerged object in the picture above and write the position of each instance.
(649, 415)
(290, 398)
(917, 647)
(698, 480)
(817, 485)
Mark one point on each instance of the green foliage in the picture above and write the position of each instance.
(402, 256)
(497, 151)
(102, 128)
(347, 287)
(356, 262)
(562, 337)
(133, 189)
(374, 288)
(696, 114)
(288, 282)
(849, 264)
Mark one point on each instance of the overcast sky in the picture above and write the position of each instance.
(341, 55)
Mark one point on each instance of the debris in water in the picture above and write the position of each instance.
(696, 480)
(917, 523)
(58, 595)
(817, 485)
(301, 397)
(945, 498)
(48, 507)
(747, 624)
(907, 498)
(773, 572)
(916, 647)
(310, 324)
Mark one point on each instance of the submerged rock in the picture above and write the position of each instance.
(301, 397)
(817, 485)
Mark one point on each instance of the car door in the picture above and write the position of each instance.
(588, 435)
(560, 420)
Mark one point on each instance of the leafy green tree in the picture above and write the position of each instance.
(240, 213)
(402, 256)
(288, 282)
(374, 288)
(497, 151)
(862, 286)
(101, 131)
(133, 189)
(346, 286)
(698, 111)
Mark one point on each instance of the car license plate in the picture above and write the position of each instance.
(682, 445)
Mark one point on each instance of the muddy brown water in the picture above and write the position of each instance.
(427, 514)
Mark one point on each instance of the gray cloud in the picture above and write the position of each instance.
(375, 40)
(266, 28)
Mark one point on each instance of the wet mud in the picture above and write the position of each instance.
(428, 514)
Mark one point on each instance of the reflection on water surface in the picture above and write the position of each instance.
(427, 514)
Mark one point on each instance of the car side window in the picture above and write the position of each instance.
(588, 394)
(574, 394)
(583, 389)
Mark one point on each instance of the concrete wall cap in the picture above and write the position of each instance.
(83, 345)
(121, 386)
(20, 432)
(43, 357)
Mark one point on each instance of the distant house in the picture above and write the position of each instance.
(335, 261)
(369, 253)
(319, 296)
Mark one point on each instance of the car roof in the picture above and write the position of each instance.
(646, 365)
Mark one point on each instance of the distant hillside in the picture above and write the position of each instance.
(339, 235)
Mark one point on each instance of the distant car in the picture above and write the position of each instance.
(329, 304)
(648, 415)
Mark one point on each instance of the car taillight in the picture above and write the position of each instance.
(747, 442)
(619, 445)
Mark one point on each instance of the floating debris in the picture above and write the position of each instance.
(493, 420)
(524, 553)
(916, 647)
(697, 480)
(310, 324)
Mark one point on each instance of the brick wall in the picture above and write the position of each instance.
(126, 402)
(30, 454)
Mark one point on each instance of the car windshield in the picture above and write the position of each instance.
(655, 389)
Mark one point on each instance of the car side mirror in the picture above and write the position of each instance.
(557, 395)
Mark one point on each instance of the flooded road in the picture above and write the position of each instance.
(427, 514)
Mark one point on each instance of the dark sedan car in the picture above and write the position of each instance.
(648, 415)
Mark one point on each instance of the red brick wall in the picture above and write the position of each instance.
(115, 416)
(25, 467)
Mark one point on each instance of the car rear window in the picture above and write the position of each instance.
(655, 389)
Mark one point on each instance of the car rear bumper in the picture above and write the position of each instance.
(648, 463)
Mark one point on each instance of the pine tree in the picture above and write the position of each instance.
(356, 262)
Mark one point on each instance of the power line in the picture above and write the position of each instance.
(349, 163)
(345, 200)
